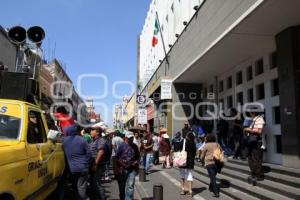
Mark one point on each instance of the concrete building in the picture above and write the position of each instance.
(93, 116)
(45, 81)
(8, 51)
(173, 16)
(238, 51)
(64, 91)
(130, 114)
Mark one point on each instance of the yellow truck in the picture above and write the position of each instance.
(31, 164)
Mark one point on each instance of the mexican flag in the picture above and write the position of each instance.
(155, 33)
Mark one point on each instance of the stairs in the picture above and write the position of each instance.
(280, 182)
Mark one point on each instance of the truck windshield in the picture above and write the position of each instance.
(9, 127)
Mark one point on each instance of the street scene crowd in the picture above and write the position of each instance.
(91, 151)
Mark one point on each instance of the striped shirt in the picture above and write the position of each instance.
(258, 122)
(96, 146)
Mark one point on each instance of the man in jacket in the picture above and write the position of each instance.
(78, 156)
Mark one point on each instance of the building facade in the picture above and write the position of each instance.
(130, 112)
(234, 52)
(62, 90)
(172, 16)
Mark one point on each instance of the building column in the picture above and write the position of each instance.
(288, 58)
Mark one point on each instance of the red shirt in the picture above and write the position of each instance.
(64, 120)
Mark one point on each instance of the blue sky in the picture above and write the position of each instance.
(89, 36)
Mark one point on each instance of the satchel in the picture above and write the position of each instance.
(179, 158)
(218, 155)
(252, 138)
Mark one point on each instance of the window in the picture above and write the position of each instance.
(229, 102)
(211, 89)
(36, 131)
(221, 86)
(278, 144)
(240, 98)
(276, 115)
(250, 95)
(260, 91)
(162, 28)
(221, 104)
(275, 87)
(172, 7)
(229, 82)
(259, 67)
(167, 18)
(239, 78)
(249, 73)
(9, 126)
(273, 60)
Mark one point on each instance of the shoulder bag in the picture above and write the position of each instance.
(179, 158)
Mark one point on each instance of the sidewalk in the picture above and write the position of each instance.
(112, 191)
(169, 178)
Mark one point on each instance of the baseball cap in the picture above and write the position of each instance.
(129, 134)
(96, 127)
(110, 130)
(163, 130)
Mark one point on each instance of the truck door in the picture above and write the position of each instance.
(40, 152)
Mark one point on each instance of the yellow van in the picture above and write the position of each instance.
(31, 166)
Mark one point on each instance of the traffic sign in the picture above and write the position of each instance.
(141, 99)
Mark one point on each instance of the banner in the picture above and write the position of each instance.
(142, 116)
(165, 89)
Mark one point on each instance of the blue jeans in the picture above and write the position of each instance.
(79, 183)
(147, 163)
(98, 192)
(126, 185)
(212, 172)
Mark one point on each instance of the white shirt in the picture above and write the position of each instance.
(155, 143)
(137, 141)
(116, 141)
(258, 122)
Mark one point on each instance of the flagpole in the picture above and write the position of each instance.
(162, 38)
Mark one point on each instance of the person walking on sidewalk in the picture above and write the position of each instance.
(117, 140)
(155, 149)
(207, 158)
(147, 149)
(237, 133)
(100, 156)
(186, 172)
(165, 148)
(177, 142)
(254, 133)
(186, 129)
(127, 166)
(78, 155)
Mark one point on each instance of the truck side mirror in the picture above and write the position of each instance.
(54, 136)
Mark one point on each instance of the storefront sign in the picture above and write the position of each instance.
(142, 116)
(166, 89)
